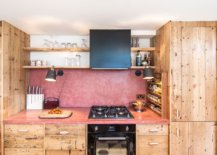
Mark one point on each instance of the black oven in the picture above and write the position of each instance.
(111, 139)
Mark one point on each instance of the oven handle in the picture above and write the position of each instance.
(112, 138)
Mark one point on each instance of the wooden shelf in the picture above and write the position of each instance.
(71, 67)
(153, 102)
(35, 49)
(47, 67)
(141, 67)
(148, 49)
(78, 49)
(152, 93)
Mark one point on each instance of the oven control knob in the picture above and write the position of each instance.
(127, 128)
(96, 128)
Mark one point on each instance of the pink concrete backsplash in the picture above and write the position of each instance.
(84, 88)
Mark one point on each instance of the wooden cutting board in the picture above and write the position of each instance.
(64, 114)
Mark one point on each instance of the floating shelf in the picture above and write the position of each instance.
(35, 49)
(141, 67)
(71, 67)
(47, 67)
(148, 49)
(78, 49)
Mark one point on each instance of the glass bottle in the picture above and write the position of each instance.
(138, 59)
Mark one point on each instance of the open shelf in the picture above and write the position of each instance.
(74, 67)
(141, 67)
(148, 49)
(36, 49)
(47, 67)
(155, 94)
(154, 102)
(78, 49)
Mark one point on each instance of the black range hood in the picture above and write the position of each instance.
(110, 49)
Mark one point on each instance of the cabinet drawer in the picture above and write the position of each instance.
(69, 142)
(75, 130)
(24, 136)
(152, 129)
(152, 143)
(65, 137)
(154, 152)
(19, 151)
(56, 152)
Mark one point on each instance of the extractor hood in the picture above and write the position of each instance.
(110, 49)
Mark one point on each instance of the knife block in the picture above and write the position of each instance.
(34, 101)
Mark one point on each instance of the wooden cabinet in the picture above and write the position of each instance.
(24, 139)
(12, 76)
(193, 68)
(152, 139)
(45, 139)
(65, 139)
(193, 138)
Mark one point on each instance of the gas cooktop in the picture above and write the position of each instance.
(109, 112)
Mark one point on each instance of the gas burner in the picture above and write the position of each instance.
(112, 112)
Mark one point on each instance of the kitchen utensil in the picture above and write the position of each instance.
(139, 106)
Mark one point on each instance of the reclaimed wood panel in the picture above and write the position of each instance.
(175, 72)
(55, 152)
(1, 89)
(24, 136)
(179, 142)
(198, 75)
(193, 138)
(14, 77)
(55, 129)
(19, 151)
(152, 129)
(152, 145)
(193, 74)
(202, 138)
(65, 137)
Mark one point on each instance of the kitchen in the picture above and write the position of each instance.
(97, 93)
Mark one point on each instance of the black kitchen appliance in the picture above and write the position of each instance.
(110, 139)
(110, 49)
(110, 112)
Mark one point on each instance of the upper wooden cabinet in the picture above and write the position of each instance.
(193, 74)
(187, 52)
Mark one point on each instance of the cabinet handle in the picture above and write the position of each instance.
(153, 143)
(23, 130)
(177, 132)
(64, 132)
(177, 113)
(153, 130)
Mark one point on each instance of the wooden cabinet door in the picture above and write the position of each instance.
(193, 74)
(179, 138)
(193, 138)
(152, 139)
(56, 152)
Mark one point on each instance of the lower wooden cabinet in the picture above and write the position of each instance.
(56, 152)
(24, 139)
(45, 139)
(65, 137)
(193, 138)
(152, 140)
(23, 151)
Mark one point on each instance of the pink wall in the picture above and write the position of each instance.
(83, 88)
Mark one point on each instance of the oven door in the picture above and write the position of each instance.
(113, 145)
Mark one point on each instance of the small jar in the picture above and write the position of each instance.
(38, 63)
(32, 63)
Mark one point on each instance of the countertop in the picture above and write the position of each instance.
(80, 116)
